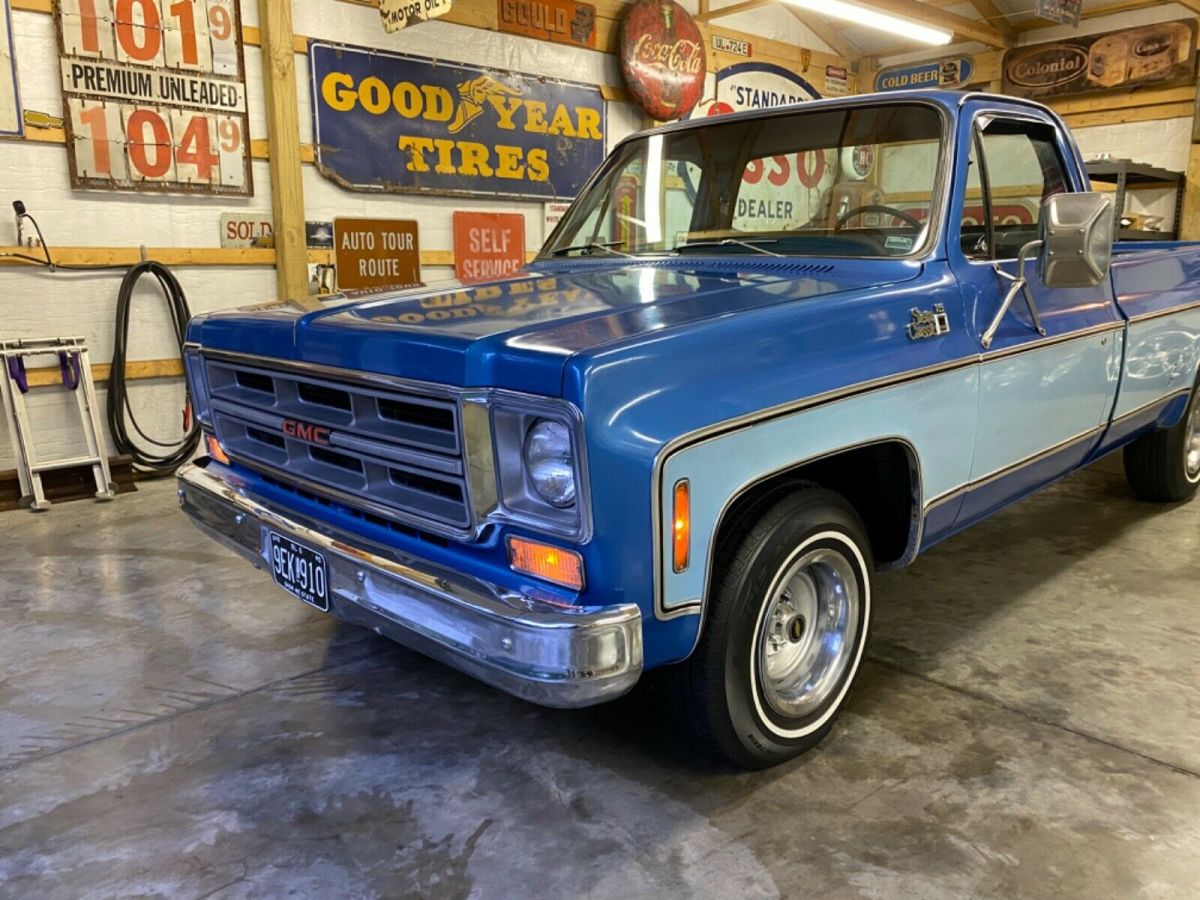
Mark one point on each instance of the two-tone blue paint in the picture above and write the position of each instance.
(725, 369)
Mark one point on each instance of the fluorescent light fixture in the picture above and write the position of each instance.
(873, 18)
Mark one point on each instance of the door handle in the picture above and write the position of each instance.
(1019, 285)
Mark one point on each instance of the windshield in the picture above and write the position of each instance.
(855, 181)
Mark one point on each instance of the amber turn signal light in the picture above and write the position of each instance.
(215, 450)
(555, 564)
(681, 519)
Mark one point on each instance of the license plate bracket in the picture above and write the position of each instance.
(300, 570)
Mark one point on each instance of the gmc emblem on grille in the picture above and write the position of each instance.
(314, 434)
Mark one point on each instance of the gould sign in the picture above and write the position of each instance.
(1161, 55)
(407, 124)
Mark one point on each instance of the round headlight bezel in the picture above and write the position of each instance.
(539, 459)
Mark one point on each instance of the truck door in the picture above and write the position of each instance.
(1045, 395)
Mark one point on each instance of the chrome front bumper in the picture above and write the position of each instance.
(537, 649)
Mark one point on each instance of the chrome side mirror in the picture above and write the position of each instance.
(1074, 250)
(1077, 238)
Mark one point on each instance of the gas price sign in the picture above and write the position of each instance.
(154, 93)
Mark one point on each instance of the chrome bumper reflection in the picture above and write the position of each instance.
(541, 651)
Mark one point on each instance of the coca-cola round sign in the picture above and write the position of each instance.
(662, 58)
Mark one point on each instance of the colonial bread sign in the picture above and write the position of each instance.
(662, 58)
(1161, 55)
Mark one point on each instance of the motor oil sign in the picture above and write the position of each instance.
(406, 124)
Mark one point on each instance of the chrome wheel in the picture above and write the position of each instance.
(1191, 445)
(806, 634)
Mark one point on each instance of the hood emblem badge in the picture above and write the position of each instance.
(928, 323)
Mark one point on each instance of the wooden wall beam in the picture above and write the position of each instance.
(1189, 226)
(183, 256)
(283, 132)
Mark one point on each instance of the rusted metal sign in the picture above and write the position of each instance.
(376, 253)
(561, 21)
(406, 124)
(662, 58)
(1161, 55)
(1064, 12)
(154, 95)
(399, 14)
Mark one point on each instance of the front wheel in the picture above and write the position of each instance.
(786, 625)
(1164, 466)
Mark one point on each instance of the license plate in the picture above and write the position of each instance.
(300, 571)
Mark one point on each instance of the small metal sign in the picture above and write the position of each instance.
(662, 58)
(488, 246)
(399, 14)
(951, 72)
(723, 44)
(1161, 55)
(560, 21)
(10, 98)
(837, 81)
(247, 229)
(1064, 12)
(376, 253)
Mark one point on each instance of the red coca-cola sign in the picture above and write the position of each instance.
(662, 58)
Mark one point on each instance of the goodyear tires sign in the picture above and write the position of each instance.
(406, 124)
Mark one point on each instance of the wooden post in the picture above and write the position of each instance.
(1189, 228)
(283, 132)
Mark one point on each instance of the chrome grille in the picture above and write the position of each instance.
(392, 452)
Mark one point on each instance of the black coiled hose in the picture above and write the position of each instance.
(159, 457)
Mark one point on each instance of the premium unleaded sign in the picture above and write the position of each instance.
(154, 95)
(406, 124)
(1162, 55)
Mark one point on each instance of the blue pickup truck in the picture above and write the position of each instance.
(762, 356)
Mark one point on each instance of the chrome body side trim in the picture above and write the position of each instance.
(536, 648)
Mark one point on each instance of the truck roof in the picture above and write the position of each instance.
(949, 100)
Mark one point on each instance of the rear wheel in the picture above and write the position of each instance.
(1164, 466)
(786, 625)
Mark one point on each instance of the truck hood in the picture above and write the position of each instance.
(518, 333)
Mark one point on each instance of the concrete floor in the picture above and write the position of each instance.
(171, 724)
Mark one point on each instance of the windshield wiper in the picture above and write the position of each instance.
(754, 244)
(593, 246)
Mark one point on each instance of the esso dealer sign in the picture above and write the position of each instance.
(778, 192)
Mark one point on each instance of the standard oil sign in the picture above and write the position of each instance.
(154, 94)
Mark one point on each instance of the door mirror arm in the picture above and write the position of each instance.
(1019, 284)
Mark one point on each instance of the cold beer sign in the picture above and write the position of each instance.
(405, 124)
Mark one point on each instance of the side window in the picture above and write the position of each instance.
(1021, 168)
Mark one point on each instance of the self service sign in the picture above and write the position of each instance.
(406, 124)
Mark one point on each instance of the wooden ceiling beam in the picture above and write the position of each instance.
(745, 6)
(1109, 9)
(963, 28)
(821, 27)
(994, 16)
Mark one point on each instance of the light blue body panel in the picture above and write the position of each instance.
(934, 415)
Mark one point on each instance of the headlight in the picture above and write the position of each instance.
(548, 462)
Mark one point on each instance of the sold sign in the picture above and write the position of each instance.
(155, 95)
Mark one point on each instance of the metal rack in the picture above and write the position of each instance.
(1126, 174)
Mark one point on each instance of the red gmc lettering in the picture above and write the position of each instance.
(314, 434)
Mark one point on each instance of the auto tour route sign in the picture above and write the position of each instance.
(154, 95)
(406, 124)
(372, 254)
(662, 58)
